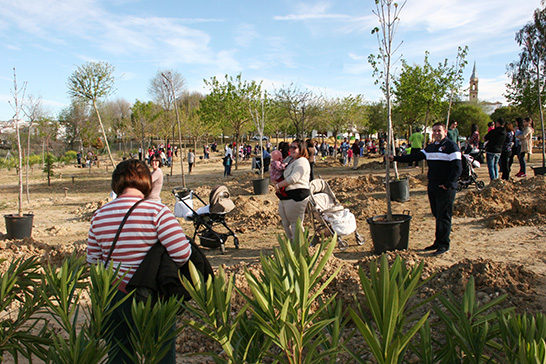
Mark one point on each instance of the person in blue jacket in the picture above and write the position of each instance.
(444, 161)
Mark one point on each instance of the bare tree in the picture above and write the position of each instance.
(74, 119)
(33, 111)
(387, 12)
(297, 105)
(162, 93)
(118, 114)
(258, 104)
(91, 82)
(169, 80)
(18, 101)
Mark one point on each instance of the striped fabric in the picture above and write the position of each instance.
(149, 222)
(440, 156)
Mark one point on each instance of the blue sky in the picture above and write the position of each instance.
(320, 45)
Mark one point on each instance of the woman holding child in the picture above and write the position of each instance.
(295, 186)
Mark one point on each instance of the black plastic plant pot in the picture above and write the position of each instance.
(389, 235)
(399, 190)
(261, 186)
(19, 227)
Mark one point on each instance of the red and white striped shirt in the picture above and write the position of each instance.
(149, 222)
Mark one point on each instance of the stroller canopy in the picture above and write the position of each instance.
(220, 202)
(323, 196)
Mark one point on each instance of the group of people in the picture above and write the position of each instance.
(165, 153)
(503, 142)
(151, 221)
(86, 160)
(291, 171)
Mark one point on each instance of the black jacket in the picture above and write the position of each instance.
(444, 163)
(495, 140)
(158, 273)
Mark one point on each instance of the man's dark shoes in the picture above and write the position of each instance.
(441, 251)
(432, 247)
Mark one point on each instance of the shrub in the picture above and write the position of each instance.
(68, 157)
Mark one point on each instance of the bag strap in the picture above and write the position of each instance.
(119, 231)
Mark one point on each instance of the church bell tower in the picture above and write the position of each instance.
(473, 90)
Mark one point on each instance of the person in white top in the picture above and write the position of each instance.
(296, 187)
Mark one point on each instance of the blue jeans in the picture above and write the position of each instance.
(493, 165)
(522, 162)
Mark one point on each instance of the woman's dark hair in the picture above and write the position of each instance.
(519, 122)
(302, 147)
(509, 127)
(157, 157)
(132, 173)
(284, 147)
(473, 128)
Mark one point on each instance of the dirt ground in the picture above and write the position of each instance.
(499, 235)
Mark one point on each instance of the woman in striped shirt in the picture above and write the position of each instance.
(149, 222)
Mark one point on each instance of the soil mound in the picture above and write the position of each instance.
(253, 213)
(328, 162)
(11, 250)
(85, 212)
(505, 204)
(372, 165)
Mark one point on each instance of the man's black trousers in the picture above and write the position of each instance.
(441, 204)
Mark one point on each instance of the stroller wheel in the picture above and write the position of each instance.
(223, 248)
(359, 238)
(459, 187)
(342, 244)
(480, 185)
(236, 242)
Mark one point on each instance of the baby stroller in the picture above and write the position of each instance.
(327, 215)
(207, 217)
(468, 175)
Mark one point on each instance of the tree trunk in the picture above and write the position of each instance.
(237, 141)
(104, 135)
(541, 117)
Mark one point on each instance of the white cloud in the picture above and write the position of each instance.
(315, 11)
(157, 37)
(245, 34)
(484, 16)
(358, 57)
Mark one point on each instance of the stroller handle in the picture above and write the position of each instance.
(179, 189)
(181, 192)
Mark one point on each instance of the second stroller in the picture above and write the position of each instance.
(208, 217)
(328, 216)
